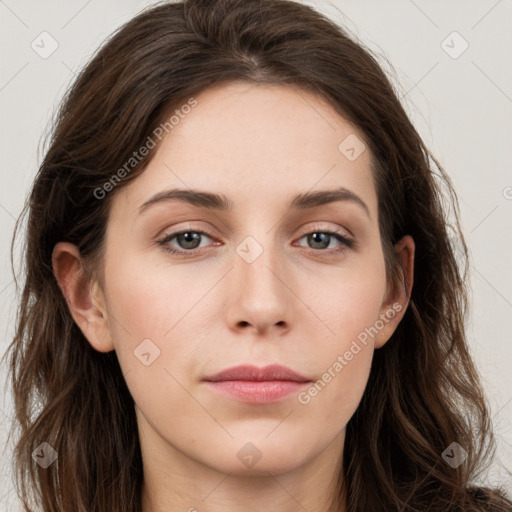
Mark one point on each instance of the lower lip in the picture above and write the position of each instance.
(257, 392)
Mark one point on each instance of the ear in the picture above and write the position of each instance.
(397, 294)
(84, 298)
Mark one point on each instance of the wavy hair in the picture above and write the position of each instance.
(423, 391)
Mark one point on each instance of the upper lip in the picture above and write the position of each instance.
(253, 373)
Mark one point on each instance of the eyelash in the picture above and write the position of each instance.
(346, 242)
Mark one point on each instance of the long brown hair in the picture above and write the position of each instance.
(423, 392)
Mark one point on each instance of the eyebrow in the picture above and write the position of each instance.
(220, 202)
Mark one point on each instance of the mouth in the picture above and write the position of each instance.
(251, 384)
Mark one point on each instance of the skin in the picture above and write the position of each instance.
(259, 145)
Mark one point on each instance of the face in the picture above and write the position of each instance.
(281, 275)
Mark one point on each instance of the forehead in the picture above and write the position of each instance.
(254, 143)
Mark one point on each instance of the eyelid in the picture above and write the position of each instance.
(185, 228)
(318, 228)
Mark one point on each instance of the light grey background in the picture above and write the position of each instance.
(461, 106)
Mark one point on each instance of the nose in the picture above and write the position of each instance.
(260, 294)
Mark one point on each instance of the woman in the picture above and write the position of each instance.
(240, 288)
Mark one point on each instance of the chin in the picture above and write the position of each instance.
(259, 456)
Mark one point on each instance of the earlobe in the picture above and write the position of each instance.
(397, 298)
(87, 309)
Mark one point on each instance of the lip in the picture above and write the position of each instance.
(251, 384)
(253, 373)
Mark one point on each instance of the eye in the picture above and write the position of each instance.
(321, 240)
(188, 241)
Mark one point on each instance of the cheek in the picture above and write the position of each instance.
(354, 300)
(160, 318)
(156, 337)
(343, 365)
(344, 356)
(150, 302)
(333, 398)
